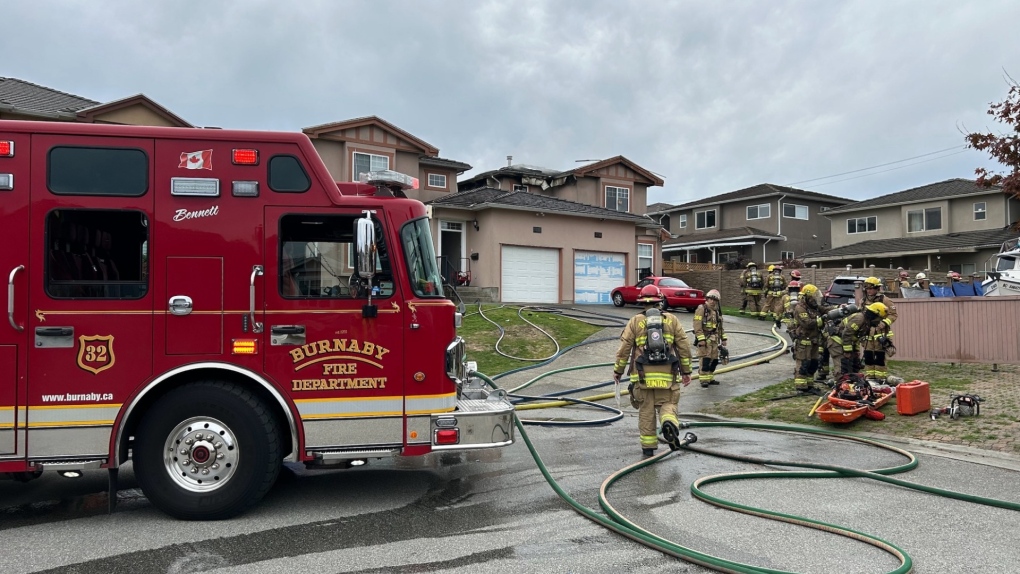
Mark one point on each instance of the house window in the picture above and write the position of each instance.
(786, 255)
(519, 187)
(644, 255)
(727, 256)
(862, 224)
(980, 211)
(794, 211)
(763, 211)
(617, 198)
(683, 221)
(366, 162)
(437, 180)
(924, 219)
(704, 219)
(964, 269)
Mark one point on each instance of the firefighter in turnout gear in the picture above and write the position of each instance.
(855, 331)
(751, 285)
(807, 337)
(659, 353)
(709, 336)
(921, 281)
(904, 279)
(878, 345)
(775, 284)
(789, 301)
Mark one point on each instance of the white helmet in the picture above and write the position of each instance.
(920, 276)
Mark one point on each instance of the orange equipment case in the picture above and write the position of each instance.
(913, 398)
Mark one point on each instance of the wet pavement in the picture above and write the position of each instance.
(492, 511)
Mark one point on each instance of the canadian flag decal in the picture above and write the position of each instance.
(197, 159)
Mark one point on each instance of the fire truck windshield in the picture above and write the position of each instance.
(422, 268)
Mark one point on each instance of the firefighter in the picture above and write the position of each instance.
(657, 348)
(709, 336)
(904, 279)
(751, 284)
(855, 331)
(807, 338)
(789, 301)
(878, 343)
(921, 281)
(775, 284)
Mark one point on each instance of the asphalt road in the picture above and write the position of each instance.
(492, 511)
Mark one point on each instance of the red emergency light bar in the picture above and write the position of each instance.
(6, 149)
(245, 156)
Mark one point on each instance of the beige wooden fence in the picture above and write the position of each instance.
(958, 330)
(669, 267)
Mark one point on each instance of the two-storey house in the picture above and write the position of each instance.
(765, 223)
(552, 236)
(952, 225)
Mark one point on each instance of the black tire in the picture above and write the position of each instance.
(618, 299)
(663, 306)
(235, 445)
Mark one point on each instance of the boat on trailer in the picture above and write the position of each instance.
(1005, 280)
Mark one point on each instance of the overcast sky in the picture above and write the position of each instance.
(713, 96)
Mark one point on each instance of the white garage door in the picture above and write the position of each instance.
(530, 275)
(596, 274)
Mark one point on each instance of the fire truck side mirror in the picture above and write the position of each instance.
(365, 243)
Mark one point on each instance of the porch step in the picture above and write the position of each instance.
(478, 294)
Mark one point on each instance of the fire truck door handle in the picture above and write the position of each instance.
(10, 298)
(54, 331)
(256, 327)
(180, 305)
(288, 329)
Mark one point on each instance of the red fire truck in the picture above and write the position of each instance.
(211, 303)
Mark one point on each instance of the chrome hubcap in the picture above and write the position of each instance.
(201, 454)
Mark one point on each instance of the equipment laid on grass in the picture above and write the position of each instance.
(913, 398)
(959, 406)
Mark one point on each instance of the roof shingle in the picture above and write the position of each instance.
(487, 197)
(966, 241)
(760, 190)
(941, 190)
(27, 97)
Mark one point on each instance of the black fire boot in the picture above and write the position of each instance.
(671, 433)
(648, 452)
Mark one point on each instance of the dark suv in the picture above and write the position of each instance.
(842, 289)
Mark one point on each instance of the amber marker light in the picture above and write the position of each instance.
(245, 347)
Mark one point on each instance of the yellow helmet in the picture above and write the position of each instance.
(879, 309)
(751, 264)
(772, 268)
(872, 282)
(809, 290)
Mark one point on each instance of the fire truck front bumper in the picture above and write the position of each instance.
(483, 418)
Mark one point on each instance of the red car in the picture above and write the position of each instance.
(678, 294)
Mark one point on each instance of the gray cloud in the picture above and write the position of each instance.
(714, 96)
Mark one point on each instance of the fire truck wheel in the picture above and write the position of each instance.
(208, 450)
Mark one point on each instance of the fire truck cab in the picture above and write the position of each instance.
(211, 303)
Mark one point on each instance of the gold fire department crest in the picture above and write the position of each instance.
(95, 353)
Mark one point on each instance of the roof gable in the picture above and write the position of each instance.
(942, 190)
(612, 168)
(91, 114)
(372, 130)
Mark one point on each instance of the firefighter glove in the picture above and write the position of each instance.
(616, 377)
